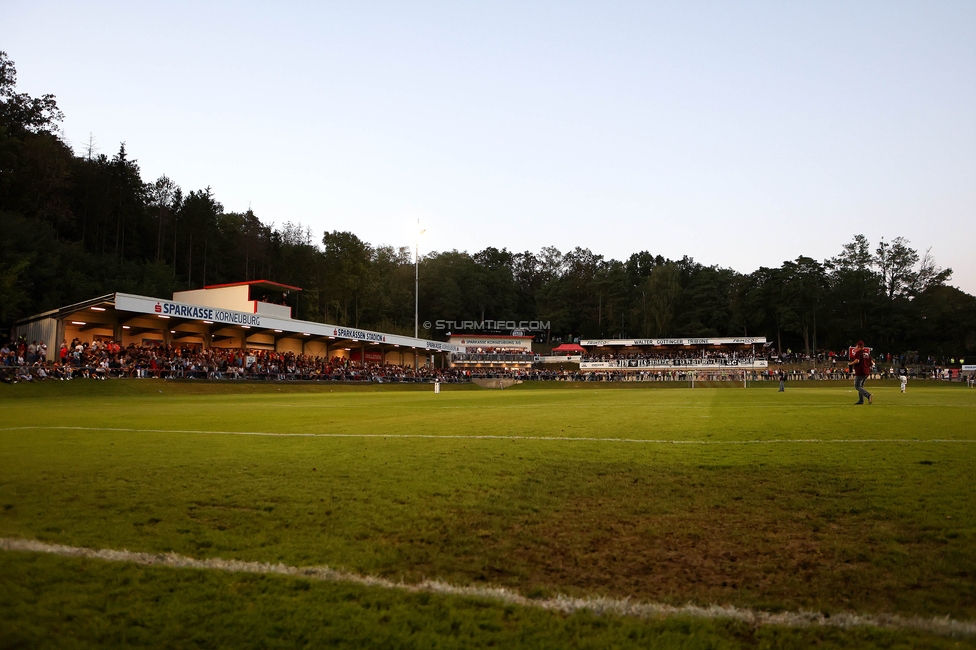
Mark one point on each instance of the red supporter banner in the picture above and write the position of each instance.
(372, 356)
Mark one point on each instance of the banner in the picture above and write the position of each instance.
(469, 342)
(669, 364)
(634, 343)
(372, 356)
(172, 309)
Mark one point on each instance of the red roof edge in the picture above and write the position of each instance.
(266, 283)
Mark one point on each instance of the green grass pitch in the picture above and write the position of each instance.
(749, 497)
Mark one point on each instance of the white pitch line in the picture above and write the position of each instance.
(425, 436)
(943, 626)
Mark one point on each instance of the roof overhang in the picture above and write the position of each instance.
(254, 323)
(129, 311)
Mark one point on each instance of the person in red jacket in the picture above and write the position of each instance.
(861, 363)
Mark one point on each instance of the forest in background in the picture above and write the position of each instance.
(78, 225)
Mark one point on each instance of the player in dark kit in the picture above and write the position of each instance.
(861, 363)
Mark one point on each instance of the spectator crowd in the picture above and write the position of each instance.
(677, 358)
(23, 361)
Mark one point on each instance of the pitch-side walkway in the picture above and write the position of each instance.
(564, 604)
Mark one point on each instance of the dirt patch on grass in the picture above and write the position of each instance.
(810, 540)
(754, 548)
(706, 556)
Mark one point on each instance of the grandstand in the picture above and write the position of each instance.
(492, 351)
(674, 354)
(243, 316)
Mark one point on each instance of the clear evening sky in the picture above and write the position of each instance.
(741, 134)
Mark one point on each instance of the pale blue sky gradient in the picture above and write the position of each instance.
(741, 134)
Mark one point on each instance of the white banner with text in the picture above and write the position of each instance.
(671, 364)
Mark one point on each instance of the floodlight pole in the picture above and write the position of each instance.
(416, 283)
(416, 291)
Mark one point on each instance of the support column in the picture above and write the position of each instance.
(59, 335)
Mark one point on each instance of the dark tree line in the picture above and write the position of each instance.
(76, 226)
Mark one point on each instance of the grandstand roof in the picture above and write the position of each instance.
(130, 318)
